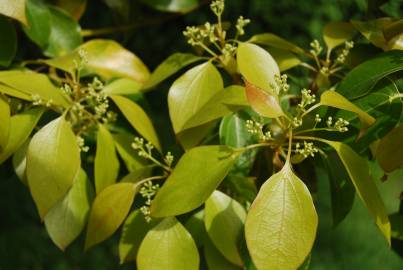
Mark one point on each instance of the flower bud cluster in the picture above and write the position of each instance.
(200, 35)
(148, 191)
(340, 125)
(256, 128)
(316, 47)
(217, 7)
(281, 83)
(240, 24)
(341, 58)
(37, 101)
(307, 98)
(81, 144)
(308, 149)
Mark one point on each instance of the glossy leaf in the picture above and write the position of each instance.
(388, 152)
(32, 83)
(285, 59)
(358, 170)
(65, 221)
(10, 91)
(14, 9)
(362, 78)
(39, 22)
(281, 224)
(53, 161)
(182, 6)
(214, 259)
(106, 58)
(8, 41)
(224, 220)
(272, 40)
(138, 119)
(168, 246)
(257, 66)
(336, 33)
(108, 212)
(21, 126)
(122, 86)
(190, 92)
(134, 230)
(195, 177)
(4, 123)
(334, 99)
(106, 164)
(129, 156)
(373, 30)
(192, 137)
(263, 102)
(170, 66)
(223, 103)
(195, 226)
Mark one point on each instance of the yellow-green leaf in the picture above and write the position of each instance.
(285, 59)
(138, 119)
(195, 177)
(272, 40)
(257, 66)
(388, 153)
(106, 164)
(195, 226)
(20, 162)
(76, 8)
(358, 170)
(106, 58)
(14, 9)
(4, 122)
(192, 137)
(134, 230)
(263, 102)
(108, 211)
(170, 66)
(214, 259)
(336, 33)
(21, 126)
(224, 220)
(281, 224)
(10, 91)
(32, 83)
(168, 246)
(53, 162)
(65, 221)
(190, 92)
(122, 86)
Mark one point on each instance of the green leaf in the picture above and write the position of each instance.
(20, 162)
(106, 165)
(8, 42)
(396, 221)
(223, 103)
(272, 40)
(281, 224)
(14, 9)
(138, 119)
(138, 174)
(64, 34)
(190, 92)
(170, 66)
(106, 58)
(9, 91)
(4, 123)
(373, 30)
(192, 137)
(182, 6)
(168, 246)
(195, 177)
(263, 102)
(108, 211)
(257, 66)
(359, 81)
(334, 99)
(358, 170)
(65, 221)
(341, 188)
(32, 83)
(388, 152)
(195, 226)
(284, 59)
(224, 220)
(215, 260)
(129, 156)
(21, 126)
(122, 86)
(39, 22)
(134, 230)
(336, 33)
(53, 162)
(75, 8)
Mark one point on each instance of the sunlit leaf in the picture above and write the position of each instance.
(336, 33)
(65, 221)
(4, 123)
(224, 220)
(8, 41)
(138, 119)
(168, 246)
(106, 164)
(122, 86)
(190, 92)
(281, 224)
(14, 9)
(108, 212)
(170, 66)
(53, 162)
(257, 66)
(285, 59)
(193, 180)
(388, 152)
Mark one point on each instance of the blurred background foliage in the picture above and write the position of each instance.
(153, 34)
